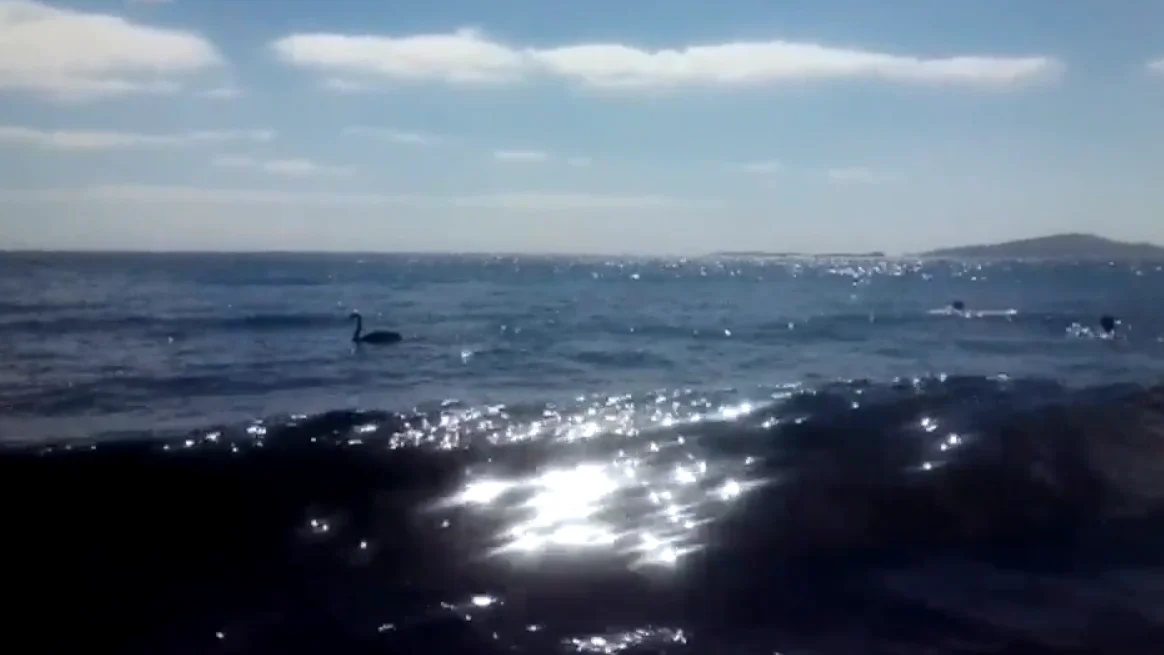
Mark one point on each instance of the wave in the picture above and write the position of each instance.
(43, 305)
(973, 313)
(885, 516)
(175, 325)
(837, 326)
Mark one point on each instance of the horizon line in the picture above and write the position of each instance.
(488, 253)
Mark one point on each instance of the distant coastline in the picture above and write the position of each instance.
(1072, 246)
(1059, 246)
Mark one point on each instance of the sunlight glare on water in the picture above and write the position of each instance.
(617, 642)
(644, 501)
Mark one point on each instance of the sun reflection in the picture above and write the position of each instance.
(644, 501)
(643, 482)
(590, 417)
(617, 642)
(730, 490)
(482, 601)
(483, 492)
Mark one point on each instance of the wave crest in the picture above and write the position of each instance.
(672, 508)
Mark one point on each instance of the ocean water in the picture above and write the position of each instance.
(580, 455)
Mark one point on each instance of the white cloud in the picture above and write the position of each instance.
(110, 140)
(771, 62)
(760, 167)
(1156, 66)
(296, 167)
(521, 156)
(403, 137)
(73, 55)
(467, 56)
(580, 162)
(185, 195)
(464, 56)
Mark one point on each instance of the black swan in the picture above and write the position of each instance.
(376, 336)
(1108, 323)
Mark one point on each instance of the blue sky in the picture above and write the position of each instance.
(599, 126)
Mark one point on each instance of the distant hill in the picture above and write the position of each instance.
(1059, 246)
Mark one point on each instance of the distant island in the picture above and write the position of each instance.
(1058, 246)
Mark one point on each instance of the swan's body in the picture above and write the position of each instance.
(376, 336)
(1108, 323)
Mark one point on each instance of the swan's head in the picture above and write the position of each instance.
(354, 315)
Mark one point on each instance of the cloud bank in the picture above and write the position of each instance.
(189, 195)
(469, 57)
(112, 140)
(296, 167)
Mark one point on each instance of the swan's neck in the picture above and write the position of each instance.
(359, 328)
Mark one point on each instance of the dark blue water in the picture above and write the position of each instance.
(580, 455)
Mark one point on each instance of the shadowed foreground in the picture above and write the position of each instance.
(962, 515)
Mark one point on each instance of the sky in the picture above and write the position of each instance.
(603, 126)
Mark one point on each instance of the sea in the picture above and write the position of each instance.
(721, 455)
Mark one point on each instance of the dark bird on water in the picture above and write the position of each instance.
(958, 306)
(376, 336)
(1108, 323)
